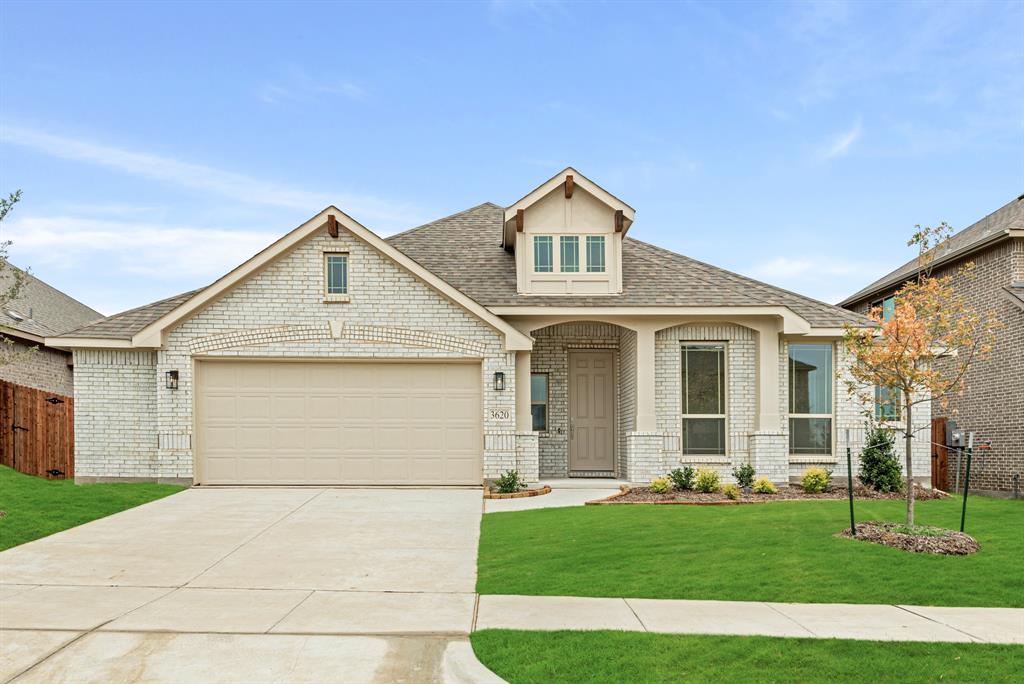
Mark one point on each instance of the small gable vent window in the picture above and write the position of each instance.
(595, 254)
(336, 275)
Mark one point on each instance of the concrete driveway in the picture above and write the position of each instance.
(249, 584)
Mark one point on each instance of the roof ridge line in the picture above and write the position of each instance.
(443, 218)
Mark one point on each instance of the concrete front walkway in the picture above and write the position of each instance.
(838, 621)
(249, 584)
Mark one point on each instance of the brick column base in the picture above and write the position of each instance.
(528, 456)
(644, 456)
(769, 452)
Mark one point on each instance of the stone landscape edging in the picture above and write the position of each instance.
(491, 494)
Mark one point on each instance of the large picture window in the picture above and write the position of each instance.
(703, 400)
(539, 401)
(810, 399)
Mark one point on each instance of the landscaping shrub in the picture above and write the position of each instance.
(764, 486)
(879, 465)
(815, 480)
(661, 485)
(682, 480)
(509, 483)
(731, 491)
(744, 475)
(707, 481)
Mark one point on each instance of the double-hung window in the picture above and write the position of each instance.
(539, 401)
(888, 307)
(887, 403)
(595, 254)
(543, 261)
(810, 399)
(570, 253)
(703, 400)
(336, 274)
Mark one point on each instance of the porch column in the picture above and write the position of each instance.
(768, 397)
(524, 418)
(646, 411)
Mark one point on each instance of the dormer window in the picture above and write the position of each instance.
(595, 254)
(570, 262)
(542, 254)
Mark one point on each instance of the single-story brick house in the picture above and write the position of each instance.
(992, 403)
(537, 337)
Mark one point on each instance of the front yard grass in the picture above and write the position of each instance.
(33, 507)
(783, 551)
(607, 657)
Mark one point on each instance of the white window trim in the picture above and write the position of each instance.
(704, 458)
(556, 256)
(330, 298)
(814, 458)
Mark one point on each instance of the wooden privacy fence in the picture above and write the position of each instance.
(38, 431)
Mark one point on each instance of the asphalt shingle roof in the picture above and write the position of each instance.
(1008, 217)
(124, 325)
(42, 309)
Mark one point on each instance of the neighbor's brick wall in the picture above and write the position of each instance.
(115, 407)
(992, 404)
(43, 368)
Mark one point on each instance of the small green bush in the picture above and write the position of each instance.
(682, 480)
(744, 475)
(707, 481)
(815, 480)
(879, 465)
(509, 483)
(731, 491)
(764, 486)
(661, 485)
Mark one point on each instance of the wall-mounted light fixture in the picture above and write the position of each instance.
(499, 381)
(172, 379)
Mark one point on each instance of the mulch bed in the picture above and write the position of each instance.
(919, 539)
(644, 495)
(523, 493)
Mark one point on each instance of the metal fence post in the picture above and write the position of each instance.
(849, 483)
(967, 479)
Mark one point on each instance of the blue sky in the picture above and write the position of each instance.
(159, 145)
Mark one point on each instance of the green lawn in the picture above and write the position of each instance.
(34, 507)
(782, 551)
(614, 657)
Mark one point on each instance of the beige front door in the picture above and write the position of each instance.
(304, 422)
(591, 411)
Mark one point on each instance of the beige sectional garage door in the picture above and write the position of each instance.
(261, 422)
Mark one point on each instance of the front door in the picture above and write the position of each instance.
(591, 411)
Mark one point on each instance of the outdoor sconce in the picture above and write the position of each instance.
(172, 380)
(499, 381)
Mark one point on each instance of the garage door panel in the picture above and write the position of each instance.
(338, 423)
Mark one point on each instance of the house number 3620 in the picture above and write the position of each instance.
(500, 414)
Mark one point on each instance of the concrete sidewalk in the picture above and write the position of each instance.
(808, 620)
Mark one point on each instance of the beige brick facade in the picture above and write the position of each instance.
(42, 367)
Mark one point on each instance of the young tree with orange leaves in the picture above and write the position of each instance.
(930, 320)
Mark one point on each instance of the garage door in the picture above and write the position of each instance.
(338, 423)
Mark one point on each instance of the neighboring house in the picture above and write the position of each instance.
(536, 337)
(992, 406)
(40, 311)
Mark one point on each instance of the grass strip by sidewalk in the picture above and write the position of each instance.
(614, 657)
(780, 551)
(33, 507)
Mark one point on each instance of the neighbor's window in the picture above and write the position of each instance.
(542, 257)
(888, 307)
(336, 266)
(570, 253)
(595, 254)
(703, 399)
(887, 403)
(810, 399)
(539, 401)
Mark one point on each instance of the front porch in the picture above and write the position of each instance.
(604, 398)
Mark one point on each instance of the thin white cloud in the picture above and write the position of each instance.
(842, 143)
(298, 86)
(787, 267)
(825, 277)
(382, 216)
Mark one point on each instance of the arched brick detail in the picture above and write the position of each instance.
(412, 338)
(248, 338)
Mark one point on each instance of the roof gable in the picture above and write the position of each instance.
(41, 309)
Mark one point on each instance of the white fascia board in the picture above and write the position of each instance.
(793, 324)
(88, 343)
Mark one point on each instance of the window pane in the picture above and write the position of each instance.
(810, 435)
(540, 417)
(542, 261)
(337, 274)
(539, 387)
(595, 254)
(887, 404)
(704, 436)
(810, 378)
(888, 308)
(704, 379)
(570, 253)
